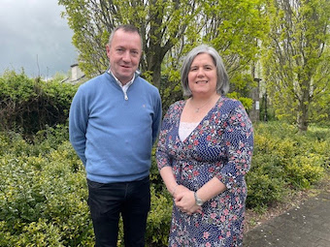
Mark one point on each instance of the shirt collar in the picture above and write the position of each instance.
(118, 81)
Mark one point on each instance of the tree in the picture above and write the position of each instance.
(296, 60)
(169, 29)
(236, 29)
(162, 25)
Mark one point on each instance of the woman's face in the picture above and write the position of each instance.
(202, 76)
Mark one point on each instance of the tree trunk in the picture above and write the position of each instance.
(302, 119)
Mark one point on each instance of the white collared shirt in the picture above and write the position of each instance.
(123, 87)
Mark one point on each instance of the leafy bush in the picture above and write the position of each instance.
(29, 105)
(159, 219)
(266, 182)
(285, 160)
(43, 193)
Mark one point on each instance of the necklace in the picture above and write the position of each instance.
(198, 108)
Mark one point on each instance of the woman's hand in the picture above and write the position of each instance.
(184, 199)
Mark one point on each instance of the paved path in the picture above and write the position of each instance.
(305, 226)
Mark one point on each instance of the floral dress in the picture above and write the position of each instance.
(220, 146)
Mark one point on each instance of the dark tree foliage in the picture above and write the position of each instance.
(29, 105)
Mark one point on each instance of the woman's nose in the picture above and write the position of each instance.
(200, 72)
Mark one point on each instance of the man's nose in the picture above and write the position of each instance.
(127, 56)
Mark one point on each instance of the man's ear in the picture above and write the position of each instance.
(107, 48)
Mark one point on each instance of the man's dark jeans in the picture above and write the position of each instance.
(106, 203)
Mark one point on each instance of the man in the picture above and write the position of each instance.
(114, 121)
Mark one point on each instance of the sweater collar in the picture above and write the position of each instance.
(118, 81)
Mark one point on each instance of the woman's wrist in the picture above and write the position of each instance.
(173, 190)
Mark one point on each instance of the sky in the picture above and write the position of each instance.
(35, 37)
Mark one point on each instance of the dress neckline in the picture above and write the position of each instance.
(198, 123)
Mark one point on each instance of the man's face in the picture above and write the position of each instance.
(124, 54)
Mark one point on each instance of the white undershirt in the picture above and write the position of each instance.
(185, 129)
(123, 87)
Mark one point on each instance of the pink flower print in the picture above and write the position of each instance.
(206, 235)
(196, 173)
(208, 244)
(213, 215)
(211, 169)
(213, 204)
(222, 219)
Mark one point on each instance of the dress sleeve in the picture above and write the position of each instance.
(162, 153)
(238, 141)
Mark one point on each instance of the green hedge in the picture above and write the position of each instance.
(43, 194)
(29, 105)
(43, 188)
(285, 161)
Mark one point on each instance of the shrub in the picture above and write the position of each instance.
(43, 193)
(266, 182)
(29, 105)
(159, 219)
(284, 160)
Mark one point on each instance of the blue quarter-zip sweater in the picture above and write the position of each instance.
(113, 136)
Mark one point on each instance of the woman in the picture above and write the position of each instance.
(204, 151)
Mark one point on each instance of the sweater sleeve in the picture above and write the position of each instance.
(78, 118)
(156, 118)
